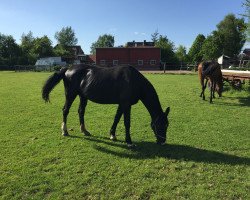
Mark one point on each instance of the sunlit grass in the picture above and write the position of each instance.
(207, 156)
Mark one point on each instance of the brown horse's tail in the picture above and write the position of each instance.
(51, 82)
(200, 73)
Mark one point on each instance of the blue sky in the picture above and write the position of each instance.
(180, 20)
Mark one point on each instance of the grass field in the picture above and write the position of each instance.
(207, 155)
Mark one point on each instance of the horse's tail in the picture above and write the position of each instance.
(200, 73)
(51, 82)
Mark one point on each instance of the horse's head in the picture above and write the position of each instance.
(219, 88)
(159, 126)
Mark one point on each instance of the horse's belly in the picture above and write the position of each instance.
(103, 100)
(102, 97)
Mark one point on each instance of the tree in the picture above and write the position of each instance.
(233, 32)
(155, 36)
(105, 40)
(27, 45)
(59, 50)
(246, 4)
(194, 53)
(212, 47)
(181, 54)
(66, 37)
(43, 47)
(9, 50)
(167, 49)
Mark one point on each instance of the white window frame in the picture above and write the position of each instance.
(115, 62)
(140, 62)
(102, 62)
(152, 62)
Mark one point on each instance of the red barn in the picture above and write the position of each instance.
(139, 57)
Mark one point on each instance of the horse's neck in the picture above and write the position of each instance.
(151, 101)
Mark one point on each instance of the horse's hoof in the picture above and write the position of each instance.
(65, 134)
(131, 145)
(113, 137)
(86, 133)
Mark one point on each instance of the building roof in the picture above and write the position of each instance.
(247, 50)
(140, 44)
(149, 47)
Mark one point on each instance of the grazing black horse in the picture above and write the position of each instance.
(211, 71)
(122, 85)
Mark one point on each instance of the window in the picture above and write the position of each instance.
(152, 62)
(115, 62)
(102, 62)
(140, 62)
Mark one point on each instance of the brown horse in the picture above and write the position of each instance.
(211, 71)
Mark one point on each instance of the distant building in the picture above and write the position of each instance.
(142, 58)
(47, 63)
(247, 52)
(224, 61)
(75, 56)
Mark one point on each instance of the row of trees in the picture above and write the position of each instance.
(32, 48)
(228, 39)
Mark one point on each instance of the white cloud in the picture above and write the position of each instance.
(139, 33)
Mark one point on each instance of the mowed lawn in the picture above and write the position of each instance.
(207, 155)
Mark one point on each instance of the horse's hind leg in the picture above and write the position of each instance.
(116, 121)
(212, 91)
(67, 105)
(203, 89)
(81, 111)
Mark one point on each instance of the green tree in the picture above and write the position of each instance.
(66, 37)
(167, 49)
(27, 45)
(233, 32)
(212, 47)
(155, 36)
(181, 54)
(9, 50)
(246, 4)
(59, 50)
(43, 47)
(105, 40)
(194, 54)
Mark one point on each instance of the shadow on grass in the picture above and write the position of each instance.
(242, 101)
(145, 150)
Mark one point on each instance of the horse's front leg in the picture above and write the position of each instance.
(127, 112)
(116, 121)
(81, 112)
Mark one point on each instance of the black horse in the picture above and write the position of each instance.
(210, 71)
(122, 85)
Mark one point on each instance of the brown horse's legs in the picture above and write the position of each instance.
(116, 121)
(67, 105)
(203, 89)
(212, 91)
(81, 112)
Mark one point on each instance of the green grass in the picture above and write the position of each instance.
(207, 156)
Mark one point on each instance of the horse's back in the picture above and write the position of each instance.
(107, 85)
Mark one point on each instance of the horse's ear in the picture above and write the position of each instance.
(167, 111)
